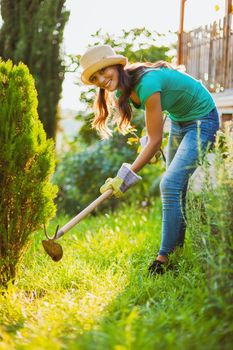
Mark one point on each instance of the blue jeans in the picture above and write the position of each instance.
(186, 141)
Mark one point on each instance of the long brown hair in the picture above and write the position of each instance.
(120, 110)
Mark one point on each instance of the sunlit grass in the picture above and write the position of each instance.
(99, 296)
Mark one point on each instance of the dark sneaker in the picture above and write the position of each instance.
(157, 267)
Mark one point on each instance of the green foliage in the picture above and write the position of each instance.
(210, 221)
(26, 165)
(86, 133)
(137, 44)
(32, 32)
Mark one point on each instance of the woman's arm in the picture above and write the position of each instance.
(154, 126)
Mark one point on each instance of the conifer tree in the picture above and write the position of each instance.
(26, 165)
(32, 32)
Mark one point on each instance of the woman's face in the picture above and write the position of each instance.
(106, 78)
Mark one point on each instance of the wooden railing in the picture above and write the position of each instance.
(208, 54)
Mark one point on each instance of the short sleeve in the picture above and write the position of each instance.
(149, 84)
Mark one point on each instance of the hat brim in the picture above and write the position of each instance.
(109, 61)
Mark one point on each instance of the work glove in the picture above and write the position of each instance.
(155, 158)
(122, 182)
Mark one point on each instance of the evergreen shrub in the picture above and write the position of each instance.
(26, 165)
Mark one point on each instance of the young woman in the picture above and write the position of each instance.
(154, 87)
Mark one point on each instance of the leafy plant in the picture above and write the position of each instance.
(210, 219)
(26, 165)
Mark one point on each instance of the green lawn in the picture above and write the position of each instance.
(99, 296)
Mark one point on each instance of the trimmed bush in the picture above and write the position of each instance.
(26, 165)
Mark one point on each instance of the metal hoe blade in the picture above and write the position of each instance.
(53, 249)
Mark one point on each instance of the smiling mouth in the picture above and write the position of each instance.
(108, 84)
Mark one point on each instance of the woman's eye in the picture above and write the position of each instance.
(102, 70)
(92, 79)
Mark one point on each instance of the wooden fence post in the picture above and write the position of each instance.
(180, 57)
(227, 35)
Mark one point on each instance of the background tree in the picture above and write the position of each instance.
(32, 32)
(26, 165)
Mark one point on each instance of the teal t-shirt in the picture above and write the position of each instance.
(182, 96)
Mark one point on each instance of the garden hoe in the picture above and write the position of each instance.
(53, 248)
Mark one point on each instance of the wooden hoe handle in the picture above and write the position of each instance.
(107, 194)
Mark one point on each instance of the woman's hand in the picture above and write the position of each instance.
(113, 184)
(122, 182)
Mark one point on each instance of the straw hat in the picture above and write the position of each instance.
(98, 57)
